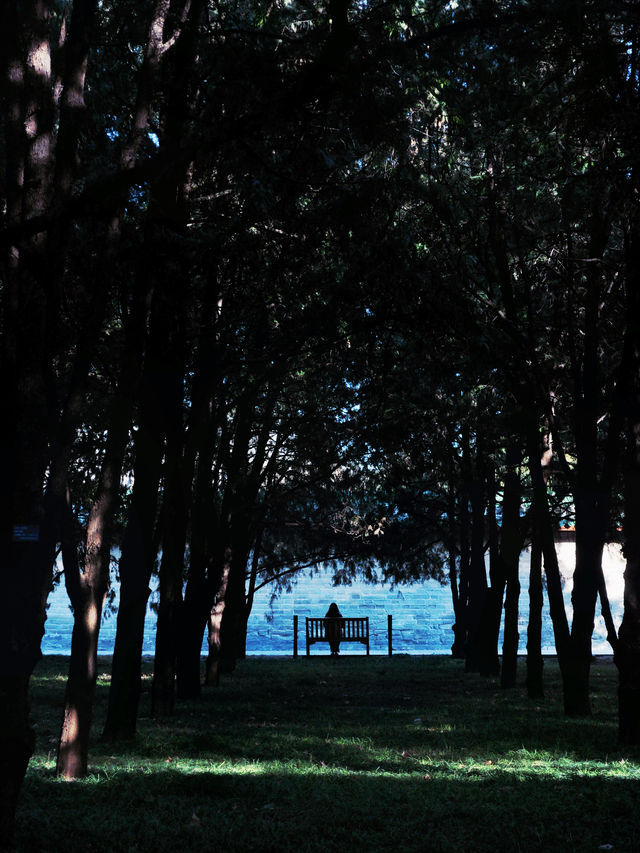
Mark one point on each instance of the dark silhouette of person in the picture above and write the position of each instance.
(333, 628)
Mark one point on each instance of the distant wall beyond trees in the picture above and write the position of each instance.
(422, 613)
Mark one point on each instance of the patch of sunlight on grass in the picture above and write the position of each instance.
(40, 762)
(247, 768)
(403, 754)
(45, 680)
(269, 768)
(359, 742)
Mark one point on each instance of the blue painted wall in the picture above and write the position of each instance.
(422, 614)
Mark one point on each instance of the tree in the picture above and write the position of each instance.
(40, 135)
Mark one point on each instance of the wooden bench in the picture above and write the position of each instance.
(352, 630)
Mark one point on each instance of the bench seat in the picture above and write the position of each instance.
(353, 629)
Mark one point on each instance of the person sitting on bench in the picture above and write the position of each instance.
(333, 628)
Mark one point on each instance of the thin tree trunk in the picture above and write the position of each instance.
(212, 676)
(477, 573)
(195, 609)
(605, 610)
(87, 590)
(175, 519)
(248, 604)
(88, 602)
(198, 598)
(535, 662)
(138, 547)
(627, 656)
(510, 550)
(231, 626)
(543, 530)
(591, 503)
(461, 633)
(457, 649)
(136, 565)
(172, 195)
(489, 628)
(165, 220)
(589, 546)
(243, 512)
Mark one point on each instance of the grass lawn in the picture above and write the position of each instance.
(354, 753)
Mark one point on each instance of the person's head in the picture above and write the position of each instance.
(333, 609)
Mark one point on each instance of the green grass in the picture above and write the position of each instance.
(350, 754)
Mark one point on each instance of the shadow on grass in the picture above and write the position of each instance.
(366, 738)
(332, 755)
(248, 809)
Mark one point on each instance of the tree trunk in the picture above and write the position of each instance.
(195, 609)
(212, 676)
(175, 519)
(591, 503)
(458, 640)
(25, 428)
(460, 629)
(589, 546)
(486, 640)
(193, 620)
(535, 662)
(627, 656)
(138, 547)
(87, 590)
(73, 749)
(510, 550)
(164, 363)
(171, 197)
(17, 741)
(136, 565)
(248, 603)
(233, 624)
(543, 531)
(477, 574)
(198, 598)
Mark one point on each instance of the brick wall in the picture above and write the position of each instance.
(422, 614)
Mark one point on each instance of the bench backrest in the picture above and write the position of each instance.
(351, 627)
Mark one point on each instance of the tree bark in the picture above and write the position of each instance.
(248, 604)
(543, 530)
(87, 592)
(461, 631)
(164, 361)
(589, 546)
(24, 435)
(535, 662)
(198, 597)
(477, 573)
(87, 589)
(489, 628)
(138, 548)
(510, 550)
(627, 654)
(229, 646)
(239, 510)
(175, 518)
(212, 674)
(591, 492)
(452, 551)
